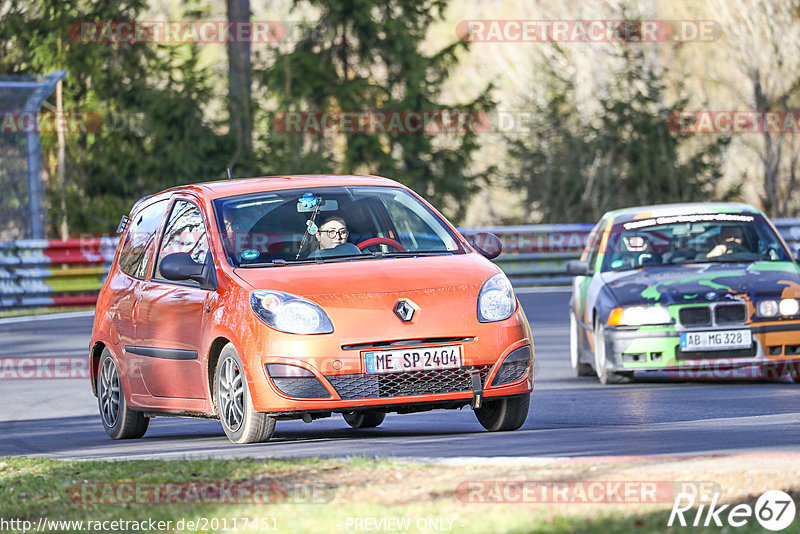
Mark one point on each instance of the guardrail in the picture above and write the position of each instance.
(70, 273)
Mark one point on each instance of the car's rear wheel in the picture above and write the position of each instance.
(119, 421)
(580, 368)
(604, 374)
(368, 419)
(241, 422)
(504, 414)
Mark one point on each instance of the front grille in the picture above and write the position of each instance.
(695, 316)
(302, 388)
(366, 386)
(730, 313)
(510, 372)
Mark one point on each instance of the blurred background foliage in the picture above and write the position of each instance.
(595, 137)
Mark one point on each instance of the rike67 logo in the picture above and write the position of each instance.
(774, 510)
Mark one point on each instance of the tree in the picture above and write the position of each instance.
(575, 168)
(152, 134)
(239, 88)
(767, 39)
(365, 56)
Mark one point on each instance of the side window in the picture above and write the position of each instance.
(137, 249)
(593, 244)
(185, 232)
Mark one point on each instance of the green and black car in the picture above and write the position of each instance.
(684, 286)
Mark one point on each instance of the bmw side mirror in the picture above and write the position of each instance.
(577, 268)
(487, 244)
(179, 267)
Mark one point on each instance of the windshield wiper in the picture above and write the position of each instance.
(412, 253)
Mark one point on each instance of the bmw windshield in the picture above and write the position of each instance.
(694, 238)
(329, 224)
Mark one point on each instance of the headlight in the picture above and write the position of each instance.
(289, 313)
(774, 308)
(496, 301)
(639, 316)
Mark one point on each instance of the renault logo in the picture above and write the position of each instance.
(404, 310)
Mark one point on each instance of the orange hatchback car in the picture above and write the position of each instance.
(297, 297)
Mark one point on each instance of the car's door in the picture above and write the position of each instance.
(136, 255)
(171, 318)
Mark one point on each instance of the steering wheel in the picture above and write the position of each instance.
(380, 241)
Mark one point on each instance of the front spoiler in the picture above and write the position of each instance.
(634, 350)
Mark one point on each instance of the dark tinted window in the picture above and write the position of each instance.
(692, 238)
(138, 246)
(185, 232)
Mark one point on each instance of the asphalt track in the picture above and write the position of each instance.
(569, 417)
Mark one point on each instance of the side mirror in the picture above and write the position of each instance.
(487, 244)
(180, 266)
(577, 268)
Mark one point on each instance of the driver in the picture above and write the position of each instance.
(730, 239)
(332, 233)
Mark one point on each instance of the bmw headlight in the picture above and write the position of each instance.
(289, 313)
(496, 301)
(776, 308)
(639, 316)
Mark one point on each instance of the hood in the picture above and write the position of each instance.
(360, 296)
(368, 276)
(705, 282)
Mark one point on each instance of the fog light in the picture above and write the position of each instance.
(294, 381)
(513, 367)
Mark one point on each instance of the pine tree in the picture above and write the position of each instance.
(365, 55)
(574, 168)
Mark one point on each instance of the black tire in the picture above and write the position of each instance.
(240, 421)
(119, 421)
(368, 419)
(575, 349)
(505, 414)
(604, 374)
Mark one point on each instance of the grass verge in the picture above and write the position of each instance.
(356, 495)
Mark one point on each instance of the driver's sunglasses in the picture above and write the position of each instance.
(343, 233)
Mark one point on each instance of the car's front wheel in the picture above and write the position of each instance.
(368, 419)
(241, 422)
(604, 374)
(580, 368)
(504, 414)
(119, 421)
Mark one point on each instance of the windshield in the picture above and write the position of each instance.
(696, 238)
(329, 224)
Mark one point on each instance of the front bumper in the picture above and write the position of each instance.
(658, 349)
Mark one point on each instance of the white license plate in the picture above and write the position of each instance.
(720, 340)
(418, 359)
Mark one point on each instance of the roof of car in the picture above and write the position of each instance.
(224, 188)
(660, 210)
(243, 186)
